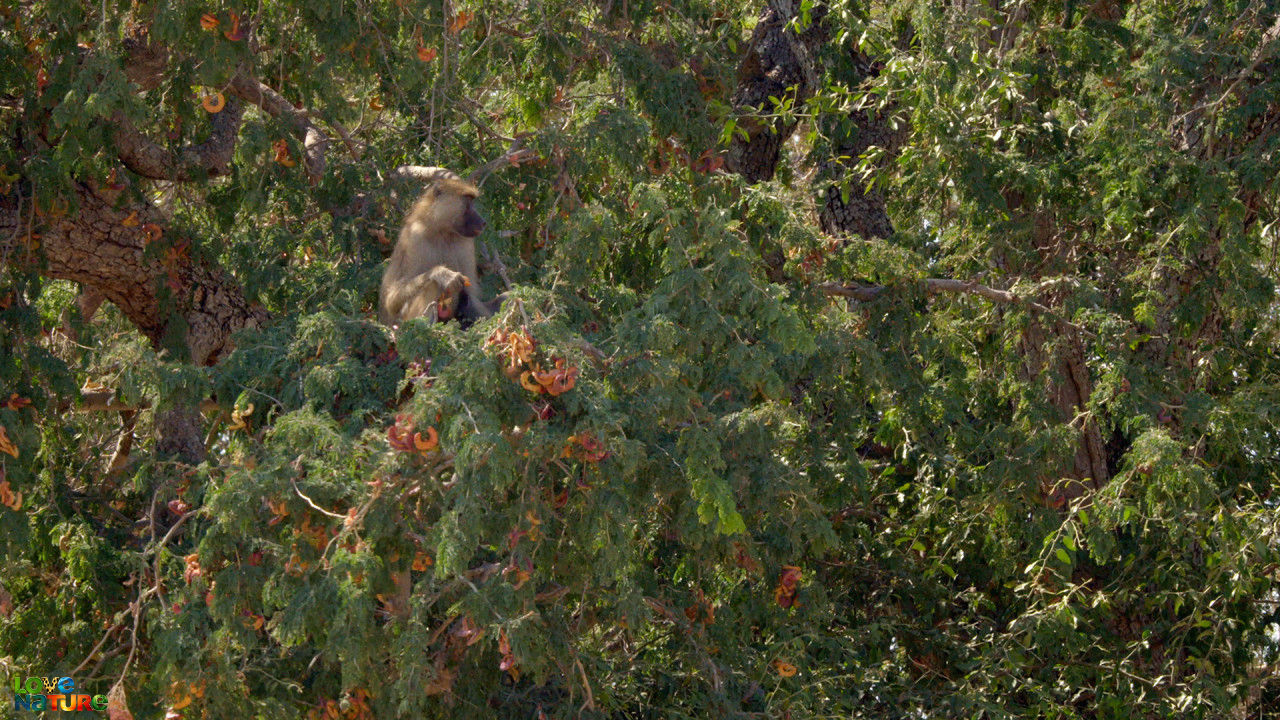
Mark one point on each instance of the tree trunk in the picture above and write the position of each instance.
(848, 207)
(777, 63)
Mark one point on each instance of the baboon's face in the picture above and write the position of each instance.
(469, 223)
(454, 207)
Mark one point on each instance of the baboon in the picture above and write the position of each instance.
(433, 268)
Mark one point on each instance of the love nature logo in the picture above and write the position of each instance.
(53, 693)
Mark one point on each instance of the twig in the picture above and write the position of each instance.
(182, 519)
(590, 704)
(1259, 55)
(312, 503)
(124, 444)
(111, 630)
(93, 674)
(481, 125)
(133, 636)
(497, 263)
(345, 135)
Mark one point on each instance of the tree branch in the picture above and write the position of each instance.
(514, 155)
(274, 104)
(105, 247)
(210, 158)
(423, 173)
(430, 173)
(934, 286)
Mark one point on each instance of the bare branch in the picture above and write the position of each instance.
(933, 286)
(345, 135)
(430, 173)
(424, 173)
(1260, 54)
(105, 401)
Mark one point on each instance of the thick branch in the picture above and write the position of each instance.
(104, 247)
(145, 62)
(105, 401)
(423, 173)
(772, 68)
(211, 158)
(429, 173)
(790, 9)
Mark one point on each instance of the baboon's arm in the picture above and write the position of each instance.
(415, 296)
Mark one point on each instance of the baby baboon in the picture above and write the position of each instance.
(433, 268)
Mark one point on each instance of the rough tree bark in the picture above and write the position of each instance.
(780, 63)
(772, 66)
(848, 207)
(105, 249)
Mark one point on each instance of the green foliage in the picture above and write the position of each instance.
(754, 499)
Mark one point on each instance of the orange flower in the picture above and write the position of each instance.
(563, 381)
(784, 669)
(151, 232)
(213, 103)
(402, 437)
(460, 21)
(428, 443)
(209, 22)
(281, 148)
(193, 570)
(790, 577)
(238, 415)
(235, 33)
(527, 381)
(465, 629)
(788, 588)
(400, 434)
(426, 54)
(6, 445)
(508, 662)
(521, 574)
(9, 498)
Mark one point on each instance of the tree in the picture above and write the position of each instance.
(859, 360)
